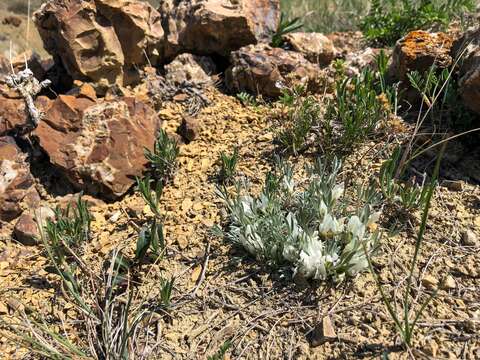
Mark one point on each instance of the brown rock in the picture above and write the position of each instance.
(16, 181)
(189, 128)
(419, 50)
(316, 47)
(190, 68)
(323, 333)
(27, 229)
(468, 46)
(99, 146)
(217, 26)
(13, 116)
(469, 238)
(261, 69)
(100, 40)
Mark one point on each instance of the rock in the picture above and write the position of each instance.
(99, 146)
(27, 229)
(323, 333)
(191, 69)
(430, 282)
(13, 116)
(16, 181)
(448, 283)
(316, 47)
(263, 70)
(189, 128)
(469, 238)
(356, 61)
(419, 50)
(207, 27)
(468, 46)
(100, 40)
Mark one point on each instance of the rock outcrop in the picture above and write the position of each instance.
(13, 116)
(263, 70)
(190, 68)
(316, 47)
(101, 40)
(419, 50)
(468, 47)
(98, 145)
(217, 26)
(16, 181)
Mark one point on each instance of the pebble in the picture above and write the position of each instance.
(469, 238)
(430, 282)
(449, 283)
(323, 333)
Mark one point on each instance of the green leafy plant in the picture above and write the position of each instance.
(408, 195)
(303, 114)
(304, 227)
(228, 165)
(151, 236)
(389, 20)
(247, 99)
(284, 27)
(360, 104)
(163, 159)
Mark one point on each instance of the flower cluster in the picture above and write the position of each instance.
(305, 226)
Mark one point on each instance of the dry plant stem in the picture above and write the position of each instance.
(29, 87)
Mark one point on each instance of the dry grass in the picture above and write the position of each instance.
(327, 15)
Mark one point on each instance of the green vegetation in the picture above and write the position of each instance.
(228, 166)
(389, 20)
(163, 159)
(305, 225)
(284, 27)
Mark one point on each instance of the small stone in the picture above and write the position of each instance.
(323, 333)
(27, 228)
(449, 283)
(115, 216)
(189, 128)
(456, 185)
(430, 282)
(469, 238)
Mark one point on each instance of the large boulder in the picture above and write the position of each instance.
(16, 181)
(419, 50)
(98, 145)
(101, 40)
(468, 47)
(316, 47)
(263, 70)
(207, 27)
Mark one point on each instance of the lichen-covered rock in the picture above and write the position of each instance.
(263, 70)
(100, 40)
(98, 145)
(468, 47)
(190, 68)
(316, 47)
(419, 50)
(16, 181)
(206, 27)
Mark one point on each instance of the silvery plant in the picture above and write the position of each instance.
(305, 226)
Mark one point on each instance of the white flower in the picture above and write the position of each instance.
(311, 263)
(373, 218)
(290, 253)
(337, 191)
(356, 227)
(288, 184)
(330, 226)
(323, 209)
